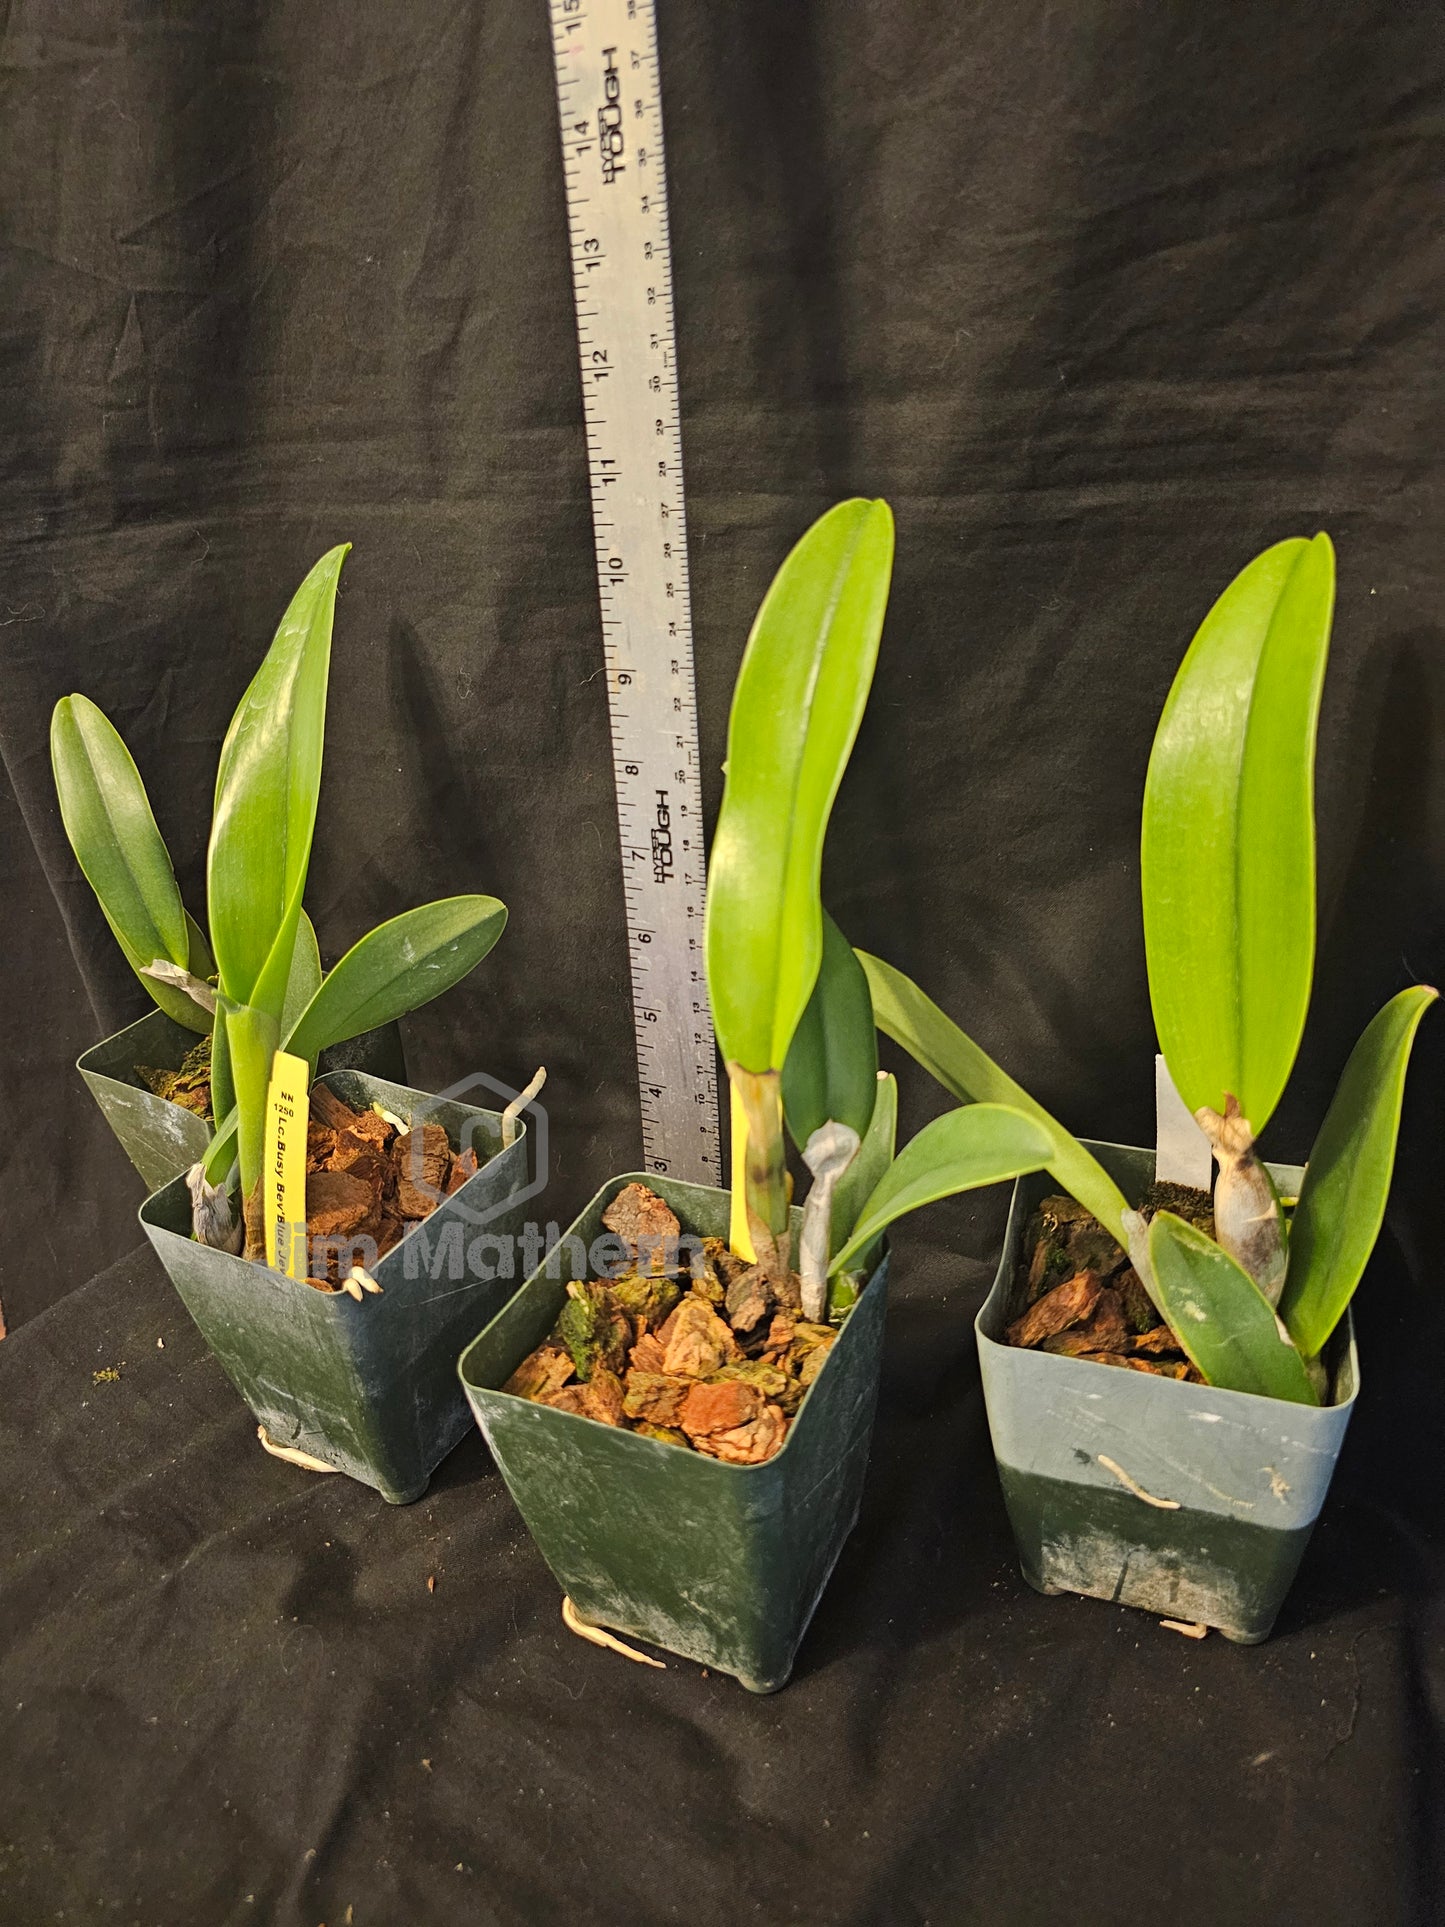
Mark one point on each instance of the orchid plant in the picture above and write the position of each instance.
(257, 984)
(790, 1001)
(1228, 882)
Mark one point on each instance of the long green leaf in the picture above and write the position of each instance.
(832, 1066)
(1347, 1180)
(175, 1003)
(976, 1145)
(398, 967)
(304, 978)
(223, 1089)
(1227, 853)
(913, 1020)
(266, 790)
(796, 708)
(112, 829)
(865, 1173)
(221, 1151)
(252, 1036)
(199, 962)
(1221, 1317)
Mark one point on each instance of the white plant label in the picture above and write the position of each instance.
(610, 106)
(1182, 1152)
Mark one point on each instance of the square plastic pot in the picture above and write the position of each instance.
(369, 1387)
(1184, 1500)
(723, 1564)
(162, 1139)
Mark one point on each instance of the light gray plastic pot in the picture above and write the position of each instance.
(1184, 1500)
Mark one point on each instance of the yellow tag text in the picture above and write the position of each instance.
(284, 1171)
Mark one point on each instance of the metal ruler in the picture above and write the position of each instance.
(609, 101)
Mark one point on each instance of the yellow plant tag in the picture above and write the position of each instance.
(738, 1238)
(287, 1110)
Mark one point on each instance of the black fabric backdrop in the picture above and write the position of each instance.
(1103, 298)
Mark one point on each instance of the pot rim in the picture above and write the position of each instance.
(132, 1082)
(129, 1078)
(1251, 1402)
(605, 1192)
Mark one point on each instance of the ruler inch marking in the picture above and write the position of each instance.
(614, 173)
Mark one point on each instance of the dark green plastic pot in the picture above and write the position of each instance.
(723, 1564)
(162, 1139)
(369, 1387)
(1234, 1482)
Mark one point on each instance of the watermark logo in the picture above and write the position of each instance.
(479, 1232)
(479, 1136)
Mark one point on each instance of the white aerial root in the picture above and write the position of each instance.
(291, 1455)
(599, 1638)
(512, 1115)
(1133, 1485)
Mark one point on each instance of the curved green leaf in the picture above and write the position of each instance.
(176, 1003)
(223, 1090)
(1227, 853)
(252, 1037)
(865, 1173)
(832, 1065)
(398, 967)
(221, 1151)
(913, 1020)
(199, 961)
(976, 1145)
(1347, 1180)
(266, 790)
(1221, 1317)
(796, 708)
(112, 830)
(304, 978)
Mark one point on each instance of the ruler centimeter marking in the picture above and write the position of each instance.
(609, 102)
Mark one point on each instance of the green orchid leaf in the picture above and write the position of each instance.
(796, 708)
(913, 1020)
(266, 792)
(865, 1173)
(398, 967)
(199, 962)
(976, 1145)
(1227, 853)
(304, 978)
(178, 1004)
(1347, 1180)
(1221, 1317)
(221, 1151)
(831, 1071)
(112, 830)
(223, 1090)
(253, 1037)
